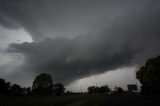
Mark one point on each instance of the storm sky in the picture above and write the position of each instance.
(77, 41)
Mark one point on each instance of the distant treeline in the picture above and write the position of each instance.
(148, 75)
(104, 90)
(42, 85)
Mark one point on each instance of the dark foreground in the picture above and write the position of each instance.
(131, 100)
(80, 100)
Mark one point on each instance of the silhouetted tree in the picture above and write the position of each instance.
(92, 89)
(120, 90)
(69, 92)
(16, 90)
(4, 87)
(103, 89)
(58, 89)
(149, 76)
(42, 85)
(28, 90)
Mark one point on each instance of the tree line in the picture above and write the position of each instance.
(42, 85)
(104, 90)
(6, 88)
(148, 75)
(95, 89)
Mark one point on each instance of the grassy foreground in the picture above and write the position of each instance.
(67, 100)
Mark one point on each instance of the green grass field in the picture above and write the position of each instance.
(68, 100)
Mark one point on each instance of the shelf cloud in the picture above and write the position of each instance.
(69, 43)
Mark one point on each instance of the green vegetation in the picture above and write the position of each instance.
(43, 84)
(66, 100)
(149, 76)
(98, 90)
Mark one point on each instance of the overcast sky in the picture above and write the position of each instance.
(78, 42)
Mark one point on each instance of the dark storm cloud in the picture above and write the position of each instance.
(8, 23)
(19, 12)
(129, 40)
(61, 17)
(68, 60)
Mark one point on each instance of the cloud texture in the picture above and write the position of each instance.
(126, 40)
